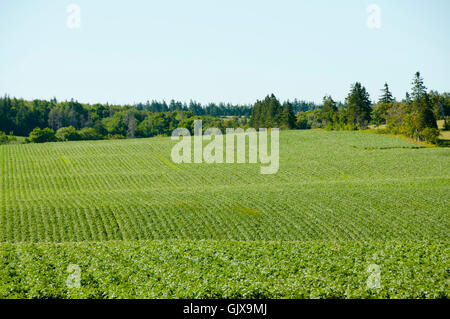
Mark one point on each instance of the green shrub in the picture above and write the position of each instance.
(350, 127)
(88, 133)
(3, 138)
(429, 135)
(329, 126)
(41, 136)
(68, 133)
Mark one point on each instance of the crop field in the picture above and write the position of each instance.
(140, 226)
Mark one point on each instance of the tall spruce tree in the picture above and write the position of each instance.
(379, 113)
(425, 116)
(288, 117)
(424, 121)
(386, 97)
(358, 106)
(418, 88)
(267, 113)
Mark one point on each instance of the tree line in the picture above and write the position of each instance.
(415, 116)
(44, 121)
(21, 117)
(48, 121)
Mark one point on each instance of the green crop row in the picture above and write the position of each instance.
(225, 269)
(329, 187)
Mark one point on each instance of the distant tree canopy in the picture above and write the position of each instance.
(21, 117)
(270, 113)
(415, 116)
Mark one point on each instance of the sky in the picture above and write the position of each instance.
(234, 51)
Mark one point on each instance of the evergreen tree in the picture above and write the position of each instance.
(288, 117)
(267, 113)
(418, 88)
(329, 111)
(425, 116)
(423, 122)
(379, 113)
(358, 106)
(386, 97)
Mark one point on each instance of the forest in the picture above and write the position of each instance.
(414, 116)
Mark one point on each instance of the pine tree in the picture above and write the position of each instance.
(255, 119)
(379, 113)
(407, 98)
(288, 117)
(418, 88)
(424, 122)
(386, 98)
(358, 106)
(267, 113)
(425, 115)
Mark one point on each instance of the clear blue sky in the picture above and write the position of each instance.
(211, 51)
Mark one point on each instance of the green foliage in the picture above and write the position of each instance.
(386, 97)
(21, 117)
(358, 107)
(308, 120)
(378, 116)
(288, 119)
(89, 133)
(3, 138)
(440, 104)
(425, 116)
(418, 88)
(116, 125)
(225, 269)
(430, 135)
(328, 112)
(410, 116)
(355, 114)
(385, 103)
(68, 134)
(270, 113)
(414, 117)
(302, 121)
(41, 136)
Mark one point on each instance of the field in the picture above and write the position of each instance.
(139, 225)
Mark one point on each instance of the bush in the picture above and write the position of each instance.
(350, 127)
(41, 136)
(6, 139)
(329, 126)
(89, 133)
(3, 138)
(68, 133)
(302, 124)
(429, 135)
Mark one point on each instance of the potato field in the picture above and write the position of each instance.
(138, 225)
